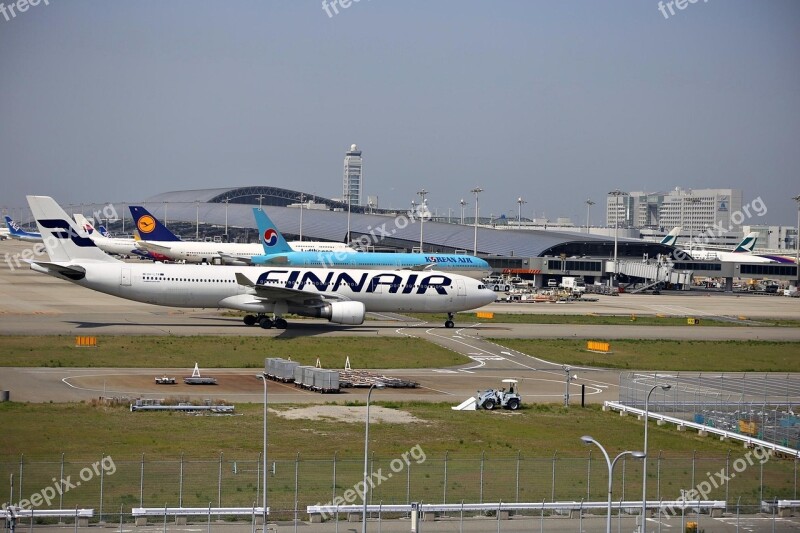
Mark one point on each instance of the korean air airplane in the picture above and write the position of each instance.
(279, 253)
(15, 232)
(156, 238)
(341, 296)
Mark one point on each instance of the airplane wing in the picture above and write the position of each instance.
(276, 260)
(284, 293)
(228, 259)
(425, 266)
(153, 247)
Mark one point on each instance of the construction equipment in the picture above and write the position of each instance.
(507, 399)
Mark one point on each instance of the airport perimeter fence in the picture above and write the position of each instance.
(739, 478)
(756, 404)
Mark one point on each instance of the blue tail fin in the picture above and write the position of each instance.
(270, 238)
(14, 229)
(149, 227)
(103, 231)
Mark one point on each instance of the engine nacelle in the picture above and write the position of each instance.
(351, 313)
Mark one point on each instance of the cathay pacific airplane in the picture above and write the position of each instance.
(155, 237)
(341, 296)
(743, 253)
(15, 232)
(279, 253)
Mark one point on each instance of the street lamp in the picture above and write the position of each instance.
(476, 191)
(520, 201)
(589, 203)
(616, 193)
(197, 221)
(366, 458)
(260, 198)
(566, 386)
(422, 194)
(302, 200)
(665, 387)
(463, 203)
(263, 378)
(797, 243)
(165, 214)
(349, 203)
(637, 455)
(227, 201)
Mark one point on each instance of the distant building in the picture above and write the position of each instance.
(779, 238)
(352, 186)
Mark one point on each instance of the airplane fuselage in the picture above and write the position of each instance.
(203, 286)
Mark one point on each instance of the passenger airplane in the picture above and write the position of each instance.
(15, 232)
(157, 238)
(111, 245)
(281, 254)
(341, 296)
(743, 253)
(672, 237)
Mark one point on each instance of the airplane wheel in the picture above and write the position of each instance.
(513, 404)
(281, 323)
(249, 320)
(449, 324)
(265, 323)
(489, 405)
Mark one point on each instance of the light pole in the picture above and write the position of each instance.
(589, 203)
(566, 386)
(366, 458)
(691, 200)
(260, 198)
(638, 455)
(227, 201)
(666, 387)
(520, 201)
(797, 243)
(463, 203)
(421, 194)
(476, 191)
(616, 193)
(302, 199)
(197, 221)
(349, 203)
(165, 214)
(263, 377)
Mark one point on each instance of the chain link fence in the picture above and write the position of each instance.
(117, 485)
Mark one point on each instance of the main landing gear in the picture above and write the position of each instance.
(449, 322)
(265, 322)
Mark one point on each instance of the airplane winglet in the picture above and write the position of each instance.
(243, 280)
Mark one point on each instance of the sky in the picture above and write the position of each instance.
(554, 102)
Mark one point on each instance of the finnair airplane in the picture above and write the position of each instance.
(341, 296)
(15, 232)
(281, 254)
(155, 237)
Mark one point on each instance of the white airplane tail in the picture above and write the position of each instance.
(748, 244)
(84, 223)
(672, 237)
(62, 238)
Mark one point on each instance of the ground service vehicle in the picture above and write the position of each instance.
(507, 399)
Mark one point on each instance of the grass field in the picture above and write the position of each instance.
(223, 352)
(603, 320)
(87, 430)
(731, 356)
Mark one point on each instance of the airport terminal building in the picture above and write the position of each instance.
(539, 255)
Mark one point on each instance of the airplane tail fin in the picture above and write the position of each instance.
(269, 236)
(84, 223)
(149, 227)
(748, 244)
(103, 231)
(13, 227)
(672, 237)
(62, 238)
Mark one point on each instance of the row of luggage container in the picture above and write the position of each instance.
(307, 377)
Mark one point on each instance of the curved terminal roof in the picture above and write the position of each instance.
(395, 230)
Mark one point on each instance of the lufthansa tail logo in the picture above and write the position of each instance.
(270, 237)
(146, 224)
